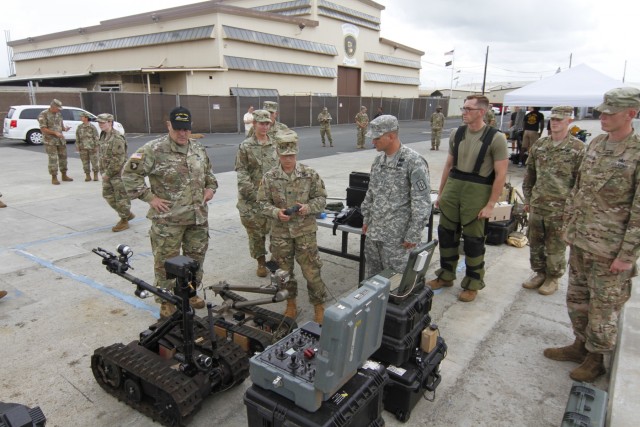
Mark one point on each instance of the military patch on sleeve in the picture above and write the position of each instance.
(133, 165)
(421, 185)
(137, 156)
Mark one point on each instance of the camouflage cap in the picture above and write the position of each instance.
(261, 116)
(438, 108)
(56, 103)
(287, 142)
(105, 117)
(84, 114)
(325, 109)
(270, 106)
(381, 125)
(620, 99)
(561, 112)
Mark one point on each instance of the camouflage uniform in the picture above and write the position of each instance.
(253, 160)
(551, 173)
(56, 148)
(437, 123)
(325, 126)
(87, 143)
(396, 208)
(602, 223)
(113, 147)
(276, 126)
(490, 118)
(297, 237)
(362, 121)
(179, 174)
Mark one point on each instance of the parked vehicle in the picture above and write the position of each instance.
(22, 123)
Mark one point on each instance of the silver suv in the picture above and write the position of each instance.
(22, 123)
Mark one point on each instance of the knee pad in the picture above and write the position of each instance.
(473, 246)
(447, 238)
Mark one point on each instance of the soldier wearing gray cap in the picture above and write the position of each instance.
(602, 228)
(551, 173)
(87, 146)
(362, 121)
(276, 126)
(55, 145)
(256, 156)
(293, 231)
(397, 205)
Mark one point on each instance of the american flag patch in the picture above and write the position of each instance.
(137, 156)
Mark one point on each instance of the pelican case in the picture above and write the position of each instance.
(498, 231)
(397, 351)
(403, 315)
(409, 381)
(355, 196)
(587, 406)
(358, 403)
(359, 180)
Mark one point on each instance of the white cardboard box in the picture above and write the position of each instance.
(501, 212)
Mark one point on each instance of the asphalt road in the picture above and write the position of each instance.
(222, 148)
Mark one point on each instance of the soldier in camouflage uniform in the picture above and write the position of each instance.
(325, 126)
(181, 181)
(397, 205)
(52, 126)
(551, 172)
(362, 121)
(602, 228)
(276, 126)
(256, 156)
(113, 147)
(437, 123)
(287, 185)
(490, 117)
(87, 144)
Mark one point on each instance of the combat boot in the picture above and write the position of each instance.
(167, 309)
(95, 175)
(131, 216)
(535, 281)
(319, 313)
(575, 352)
(291, 310)
(2, 205)
(438, 283)
(54, 179)
(66, 177)
(549, 287)
(87, 177)
(591, 368)
(3, 294)
(262, 269)
(467, 295)
(196, 302)
(123, 224)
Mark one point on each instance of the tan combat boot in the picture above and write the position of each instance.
(575, 352)
(438, 283)
(54, 179)
(123, 224)
(319, 313)
(467, 295)
(591, 368)
(196, 302)
(3, 294)
(66, 177)
(262, 269)
(291, 310)
(2, 205)
(95, 175)
(549, 286)
(535, 281)
(87, 177)
(166, 309)
(131, 216)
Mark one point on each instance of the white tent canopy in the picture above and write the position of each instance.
(580, 86)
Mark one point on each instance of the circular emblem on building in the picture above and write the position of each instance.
(350, 45)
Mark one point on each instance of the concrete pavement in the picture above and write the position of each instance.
(62, 304)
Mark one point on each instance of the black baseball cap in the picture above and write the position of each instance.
(180, 118)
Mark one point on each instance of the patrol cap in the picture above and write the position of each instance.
(381, 125)
(56, 103)
(180, 118)
(270, 106)
(620, 99)
(87, 115)
(105, 117)
(438, 108)
(261, 116)
(561, 112)
(325, 109)
(287, 142)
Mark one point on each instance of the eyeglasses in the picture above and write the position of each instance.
(467, 109)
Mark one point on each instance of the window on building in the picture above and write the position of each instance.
(110, 88)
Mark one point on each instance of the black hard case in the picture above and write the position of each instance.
(498, 231)
(397, 351)
(359, 180)
(356, 404)
(355, 196)
(402, 316)
(408, 382)
(587, 406)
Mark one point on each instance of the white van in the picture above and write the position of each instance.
(22, 123)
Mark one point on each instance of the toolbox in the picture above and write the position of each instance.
(498, 231)
(397, 351)
(358, 403)
(409, 381)
(403, 315)
(587, 406)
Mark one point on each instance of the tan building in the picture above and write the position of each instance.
(231, 47)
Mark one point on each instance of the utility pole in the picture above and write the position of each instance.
(484, 78)
(624, 73)
(570, 59)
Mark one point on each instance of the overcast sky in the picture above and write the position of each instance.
(527, 40)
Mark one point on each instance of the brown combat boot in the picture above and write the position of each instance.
(2, 205)
(467, 295)
(591, 368)
(3, 294)
(575, 352)
(166, 309)
(438, 283)
(95, 175)
(262, 269)
(196, 302)
(123, 224)
(87, 177)
(54, 179)
(66, 177)
(131, 216)
(535, 281)
(319, 313)
(549, 286)
(291, 310)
